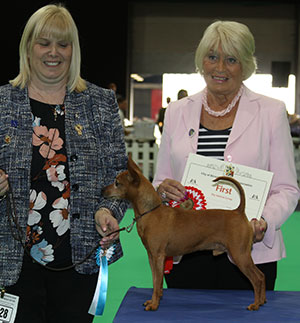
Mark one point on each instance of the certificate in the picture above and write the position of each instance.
(200, 171)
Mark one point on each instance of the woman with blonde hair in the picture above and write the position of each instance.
(228, 121)
(61, 142)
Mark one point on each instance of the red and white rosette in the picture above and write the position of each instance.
(195, 196)
(194, 199)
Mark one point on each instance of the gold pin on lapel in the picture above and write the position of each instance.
(7, 139)
(79, 128)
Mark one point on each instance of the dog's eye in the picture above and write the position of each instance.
(116, 183)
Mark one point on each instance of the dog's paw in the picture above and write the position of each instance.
(150, 306)
(253, 307)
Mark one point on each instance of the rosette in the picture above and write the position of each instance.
(194, 199)
(99, 299)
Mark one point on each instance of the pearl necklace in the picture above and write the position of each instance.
(225, 111)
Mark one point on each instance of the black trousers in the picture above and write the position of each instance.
(202, 270)
(53, 297)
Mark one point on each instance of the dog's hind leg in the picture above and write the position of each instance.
(261, 277)
(157, 268)
(256, 277)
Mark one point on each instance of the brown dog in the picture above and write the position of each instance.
(167, 231)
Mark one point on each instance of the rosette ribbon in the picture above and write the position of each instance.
(195, 195)
(198, 200)
(99, 299)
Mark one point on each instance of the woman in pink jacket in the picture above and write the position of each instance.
(228, 121)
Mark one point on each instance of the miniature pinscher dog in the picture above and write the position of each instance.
(167, 231)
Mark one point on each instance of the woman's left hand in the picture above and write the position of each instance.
(106, 223)
(259, 228)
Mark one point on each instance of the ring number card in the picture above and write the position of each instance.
(200, 172)
(8, 308)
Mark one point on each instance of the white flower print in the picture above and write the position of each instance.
(60, 217)
(55, 175)
(37, 202)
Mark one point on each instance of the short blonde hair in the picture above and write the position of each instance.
(235, 40)
(50, 21)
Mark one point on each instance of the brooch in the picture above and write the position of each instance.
(191, 133)
(7, 139)
(79, 128)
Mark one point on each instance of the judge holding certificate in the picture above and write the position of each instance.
(229, 122)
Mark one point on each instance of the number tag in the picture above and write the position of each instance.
(8, 308)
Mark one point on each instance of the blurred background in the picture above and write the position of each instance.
(146, 49)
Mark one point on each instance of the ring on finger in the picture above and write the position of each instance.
(163, 194)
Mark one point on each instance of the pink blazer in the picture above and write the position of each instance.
(260, 138)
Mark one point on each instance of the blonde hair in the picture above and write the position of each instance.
(235, 40)
(50, 21)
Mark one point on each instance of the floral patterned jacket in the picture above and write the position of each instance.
(96, 154)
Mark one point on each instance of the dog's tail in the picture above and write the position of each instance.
(241, 207)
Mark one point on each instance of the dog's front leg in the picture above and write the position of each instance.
(153, 271)
(157, 268)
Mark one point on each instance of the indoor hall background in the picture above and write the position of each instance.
(163, 36)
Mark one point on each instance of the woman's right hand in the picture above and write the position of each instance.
(171, 189)
(3, 183)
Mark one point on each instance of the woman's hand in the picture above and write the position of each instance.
(171, 189)
(259, 228)
(106, 223)
(3, 183)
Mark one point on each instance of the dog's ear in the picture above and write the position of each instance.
(132, 165)
(133, 170)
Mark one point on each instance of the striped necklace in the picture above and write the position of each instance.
(225, 111)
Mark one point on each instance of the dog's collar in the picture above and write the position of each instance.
(149, 211)
(130, 226)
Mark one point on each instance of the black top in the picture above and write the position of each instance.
(212, 143)
(48, 226)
